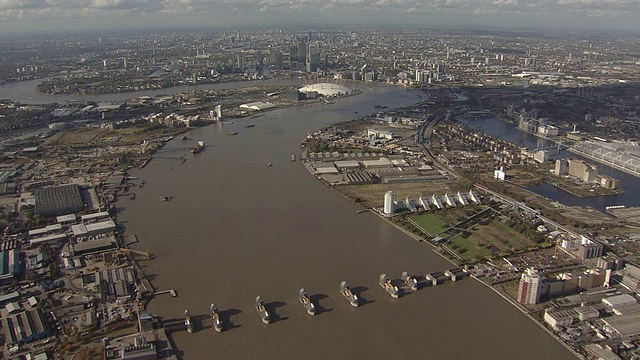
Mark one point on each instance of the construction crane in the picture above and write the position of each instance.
(145, 254)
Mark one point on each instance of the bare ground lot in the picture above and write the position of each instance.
(372, 195)
(91, 136)
(77, 136)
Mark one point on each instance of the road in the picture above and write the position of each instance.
(425, 132)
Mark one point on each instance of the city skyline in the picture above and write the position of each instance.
(31, 16)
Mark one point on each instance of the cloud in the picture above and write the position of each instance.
(28, 11)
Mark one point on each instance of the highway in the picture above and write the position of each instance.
(424, 133)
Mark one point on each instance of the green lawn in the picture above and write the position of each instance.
(429, 223)
(487, 240)
(467, 249)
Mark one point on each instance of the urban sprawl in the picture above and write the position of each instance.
(71, 286)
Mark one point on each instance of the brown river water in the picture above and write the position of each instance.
(237, 228)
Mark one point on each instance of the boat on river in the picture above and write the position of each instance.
(410, 280)
(215, 317)
(262, 311)
(306, 302)
(385, 283)
(345, 290)
(198, 147)
(232, 133)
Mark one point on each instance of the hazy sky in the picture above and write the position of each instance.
(48, 16)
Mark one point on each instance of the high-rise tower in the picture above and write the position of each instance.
(530, 286)
(389, 203)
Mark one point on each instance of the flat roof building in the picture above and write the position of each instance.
(58, 200)
(26, 327)
(95, 216)
(631, 278)
(619, 300)
(116, 283)
(66, 219)
(625, 325)
(95, 246)
(9, 265)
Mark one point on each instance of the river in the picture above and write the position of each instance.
(509, 132)
(236, 229)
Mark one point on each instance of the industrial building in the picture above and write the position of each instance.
(9, 265)
(257, 106)
(58, 200)
(25, 327)
(631, 278)
(601, 353)
(116, 284)
(560, 318)
(622, 304)
(87, 247)
(624, 326)
(373, 134)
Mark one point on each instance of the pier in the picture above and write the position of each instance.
(170, 291)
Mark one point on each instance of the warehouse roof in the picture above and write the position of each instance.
(58, 199)
(258, 105)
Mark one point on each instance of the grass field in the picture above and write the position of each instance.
(487, 240)
(430, 223)
(467, 248)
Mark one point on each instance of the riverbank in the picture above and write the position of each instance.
(496, 290)
(439, 253)
(221, 221)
